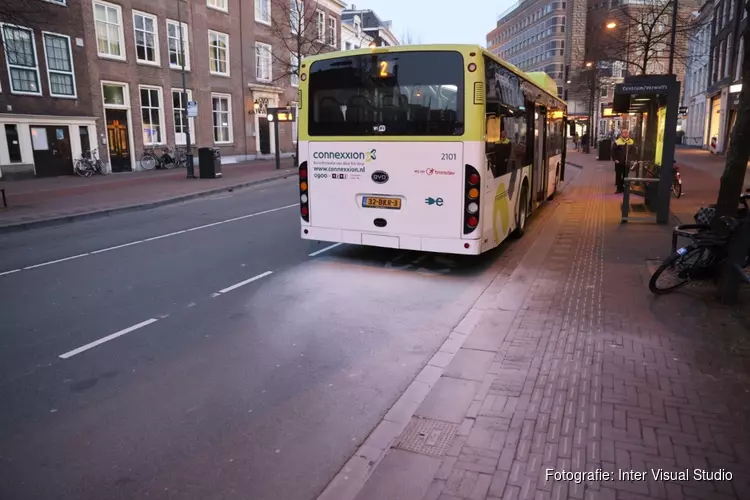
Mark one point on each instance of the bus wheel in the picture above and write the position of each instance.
(522, 213)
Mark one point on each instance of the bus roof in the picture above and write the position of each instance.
(541, 80)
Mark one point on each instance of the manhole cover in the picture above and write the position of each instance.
(427, 436)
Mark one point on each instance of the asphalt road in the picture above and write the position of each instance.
(138, 360)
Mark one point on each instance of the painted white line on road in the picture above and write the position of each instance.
(324, 249)
(165, 235)
(107, 338)
(246, 282)
(241, 217)
(56, 261)
(109, 249)
(154, 238)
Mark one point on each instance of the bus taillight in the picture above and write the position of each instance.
(471, 199)
(304, 199)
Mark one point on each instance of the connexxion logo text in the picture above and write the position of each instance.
(326, 155)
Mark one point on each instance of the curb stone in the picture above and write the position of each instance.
(97, 214)
(351, 479)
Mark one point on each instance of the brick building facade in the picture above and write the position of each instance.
(46, 114)
(128, 61)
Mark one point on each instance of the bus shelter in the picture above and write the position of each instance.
(653, 100)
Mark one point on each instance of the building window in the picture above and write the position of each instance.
(146, 38)
(263, 11)
(603, 92)
(218, 53)
(296, 15)
(222, 5)
(114, 95)
(58, 2)
(109, 34)
(728, 63)
(320, 21)
(173, 39)
(152, 113)
(347, 46)
(263, 62)
(23, 66)
(331, 35)
(59, 58)
(740, 57)
(179, 107)
(221, 109)
(14, 144)
(294, 69)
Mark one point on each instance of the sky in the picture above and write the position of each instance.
(439, 21)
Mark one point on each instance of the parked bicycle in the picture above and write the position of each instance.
(648, 169)
(89, 164)
(704, 257)
(167, 160)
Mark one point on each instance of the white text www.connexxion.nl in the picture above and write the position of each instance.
(339, 169)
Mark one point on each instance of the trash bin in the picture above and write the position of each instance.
(209, 163)
(605, 150)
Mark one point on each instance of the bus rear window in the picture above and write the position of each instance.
(401, 93)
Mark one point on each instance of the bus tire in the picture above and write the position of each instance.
(523, 212)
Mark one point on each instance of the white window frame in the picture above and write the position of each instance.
(269, 49)
(215, 5)
(228, 97)
(8, 65)
(72, 71)
(120, 31)
(334, 38)
(185, 44)
(62, 3)
(161, 114)
(320, 21)
(157, 56)
(294, 61)
(191, 120)
(210, 52)
(296, 7)
(259, 11)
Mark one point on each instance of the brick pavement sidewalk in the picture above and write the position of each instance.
(569, 363)
(55, 200)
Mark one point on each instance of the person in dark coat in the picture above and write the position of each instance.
(622, 150)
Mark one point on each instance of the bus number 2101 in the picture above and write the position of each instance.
(449, 156)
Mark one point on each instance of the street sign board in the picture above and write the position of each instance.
(286, 114)
(683, 110)
(192, 109)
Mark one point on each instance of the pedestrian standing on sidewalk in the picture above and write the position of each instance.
(623, 149)
(576, 140)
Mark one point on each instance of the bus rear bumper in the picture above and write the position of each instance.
(402, 242)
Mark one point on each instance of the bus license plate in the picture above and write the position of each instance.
(380, 202)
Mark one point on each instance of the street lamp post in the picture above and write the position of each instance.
(185, 120)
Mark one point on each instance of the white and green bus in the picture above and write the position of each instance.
(437, 148)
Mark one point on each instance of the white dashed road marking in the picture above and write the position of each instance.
(102, 340)
(243, 283)
(324, 249)
(154, 238)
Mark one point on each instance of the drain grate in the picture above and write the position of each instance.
(427, 436)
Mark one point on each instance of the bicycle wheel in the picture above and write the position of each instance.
(99, 166)
(148, 161)
(83, 168)
(676, 266)
(676, 189)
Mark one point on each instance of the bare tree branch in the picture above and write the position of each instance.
(295, 30)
